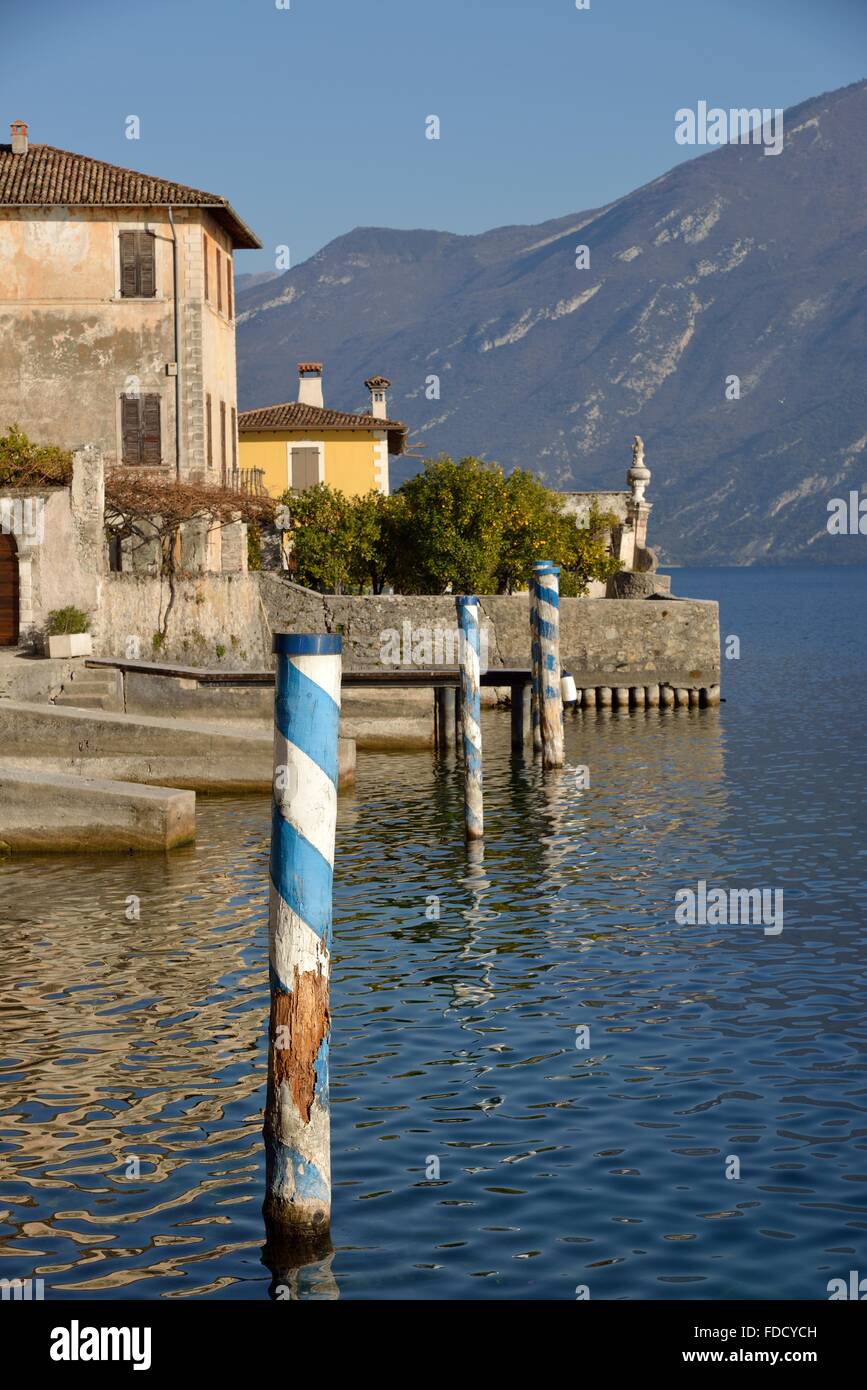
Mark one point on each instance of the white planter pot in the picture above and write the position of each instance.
(73, 644)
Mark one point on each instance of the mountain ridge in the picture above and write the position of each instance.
(734, 263)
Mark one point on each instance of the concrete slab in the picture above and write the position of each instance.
(42, 812)
(181, 753)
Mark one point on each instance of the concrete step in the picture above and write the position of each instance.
(88, 687)
(75, 701)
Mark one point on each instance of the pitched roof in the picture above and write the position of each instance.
(295, 415)
(48, 177)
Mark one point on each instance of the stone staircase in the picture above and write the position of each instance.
(93, 688)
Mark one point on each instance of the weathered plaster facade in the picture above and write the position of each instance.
(71, 346)
(117, 311)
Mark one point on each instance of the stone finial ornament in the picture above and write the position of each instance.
(638, 475)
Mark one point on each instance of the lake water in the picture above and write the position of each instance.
(479, 1150)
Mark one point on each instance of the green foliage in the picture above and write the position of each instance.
(319, 537)
(63, 622)
(158, 641)
(461, 526)
(220, 650)
(254, 547)
(25, 464)
(452, 527)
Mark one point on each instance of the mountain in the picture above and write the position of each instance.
(249, 280)
(736, 263)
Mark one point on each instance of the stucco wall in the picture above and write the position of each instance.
(352, 461)
(70, 345)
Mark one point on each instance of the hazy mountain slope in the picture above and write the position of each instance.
(733, 263)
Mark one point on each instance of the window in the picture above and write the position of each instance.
(138, 278)
(234, 438)
(219, 279)
(229, 305)
(140, 428)
(115, 551)
(207, 265)
(305, 468)
(223, 438)
(209, 431)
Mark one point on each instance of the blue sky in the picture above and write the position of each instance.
(311, 119)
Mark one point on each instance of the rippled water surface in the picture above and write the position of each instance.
(477, 1151)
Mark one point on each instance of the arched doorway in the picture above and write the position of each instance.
(8, 590)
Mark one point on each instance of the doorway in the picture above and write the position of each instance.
(8, 590)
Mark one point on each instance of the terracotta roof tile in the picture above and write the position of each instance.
(294, 415)
(48, 177)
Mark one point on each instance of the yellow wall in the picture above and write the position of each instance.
(349, 458)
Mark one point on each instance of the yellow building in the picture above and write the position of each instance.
(301, 443)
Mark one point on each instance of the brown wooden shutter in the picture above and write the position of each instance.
(223, 437)
(138, 275)
(146, 245)
(229, 302)
(128, 258)
(152, 446)
(209, 423)
(219, 279)
(305, 468)
(207, 260)
(130, 426)
(234, 438)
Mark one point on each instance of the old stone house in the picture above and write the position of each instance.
(117, 311)
(301, 443)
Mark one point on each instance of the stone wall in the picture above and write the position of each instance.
(214, 620)
(635, 640)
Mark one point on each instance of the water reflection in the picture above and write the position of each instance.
(134, 1047)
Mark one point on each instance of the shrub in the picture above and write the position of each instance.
(25, 464)
(63, 622)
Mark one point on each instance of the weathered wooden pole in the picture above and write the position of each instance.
(521, 716)
(535, 659)
(471, 715)
(297, 1128)
(445, 716)
(548, 628)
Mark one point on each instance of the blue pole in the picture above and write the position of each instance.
(297, 1127)
(471, 716)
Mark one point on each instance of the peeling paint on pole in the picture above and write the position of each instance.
(297, 1126)
(547, 585)
(471, 716)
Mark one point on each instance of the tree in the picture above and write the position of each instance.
(452, 527)
(374, 524)
(319, 528)
(532, 530)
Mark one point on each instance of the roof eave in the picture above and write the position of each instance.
(243, 238)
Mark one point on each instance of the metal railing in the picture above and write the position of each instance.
(250, 481)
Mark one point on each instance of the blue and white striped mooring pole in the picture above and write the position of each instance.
(297, 1126)
(547, 584)
(471, 715)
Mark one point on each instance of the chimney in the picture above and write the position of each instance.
(19, 137)
(310, 383)
(377, 386)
